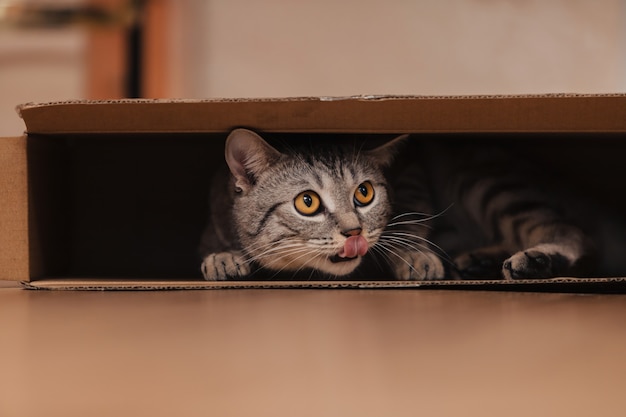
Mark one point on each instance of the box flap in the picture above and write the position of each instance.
(361, 114)
(14, 259)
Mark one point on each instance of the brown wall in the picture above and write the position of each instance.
(237, 48)
(327, 47)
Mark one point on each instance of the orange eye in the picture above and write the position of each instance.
(307, 203)
(364, 194)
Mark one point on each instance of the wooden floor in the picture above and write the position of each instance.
(311, 353)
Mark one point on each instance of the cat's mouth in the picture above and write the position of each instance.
(353, 247)
(337, 259)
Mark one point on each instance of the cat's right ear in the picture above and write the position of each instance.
(386, 153)
(247, 155)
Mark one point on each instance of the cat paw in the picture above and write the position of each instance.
(528, 264)
(224, 265)
(418, 266)
(484, 263)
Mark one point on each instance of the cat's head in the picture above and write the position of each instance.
(308, 208)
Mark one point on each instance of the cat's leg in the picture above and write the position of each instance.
(482, 263)
(225, 265)
(527, 220)
(553, 250)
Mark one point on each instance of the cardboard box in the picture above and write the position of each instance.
(113, 194)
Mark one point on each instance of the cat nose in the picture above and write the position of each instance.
(352, 232)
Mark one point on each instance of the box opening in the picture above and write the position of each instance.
(133, 206)
(118, 206)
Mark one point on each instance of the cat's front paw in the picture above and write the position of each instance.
(482, 263)
(528, 264)
(224, 265)
(418, 266)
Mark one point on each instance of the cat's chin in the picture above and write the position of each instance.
(340, 259)
(334, 265)
(339, 266)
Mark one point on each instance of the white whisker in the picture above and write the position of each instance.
(305, 252)
(404, 243)
(425, 217)
(393, 252)
(408, 236)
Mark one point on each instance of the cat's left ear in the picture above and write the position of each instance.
(247, 155)
(386, 153)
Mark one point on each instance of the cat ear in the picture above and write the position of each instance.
(247, 155)
(386, 153)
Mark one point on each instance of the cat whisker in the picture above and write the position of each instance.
(409, 236)
(305, 252)
(262, 246)
(403, 242)
(265, 246)
(411, 222)
(314, 267)
(425, 217)
(278, 253)
(389, 250)
(412, 213)
(279, 259)
(379, 249)
(277, 250)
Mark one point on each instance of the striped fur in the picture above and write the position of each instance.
(507, 220)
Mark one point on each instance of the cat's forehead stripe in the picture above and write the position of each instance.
(339, 165)
(316, 177)
(328, 184)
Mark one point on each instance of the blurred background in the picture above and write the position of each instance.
(54, 50)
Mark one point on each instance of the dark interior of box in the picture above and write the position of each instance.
(134, 206)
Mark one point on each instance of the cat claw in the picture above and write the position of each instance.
(224, 265)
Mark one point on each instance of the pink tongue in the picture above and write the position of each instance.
(355, 245)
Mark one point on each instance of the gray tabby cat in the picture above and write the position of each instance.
(323, 210)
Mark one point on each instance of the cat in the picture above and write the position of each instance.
(332, 210)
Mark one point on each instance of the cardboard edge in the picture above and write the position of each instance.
(160, 285)
(358, 97)
(14, 217)
(594, 285)
(354, 114)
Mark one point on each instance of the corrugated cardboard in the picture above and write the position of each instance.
(111, 195)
